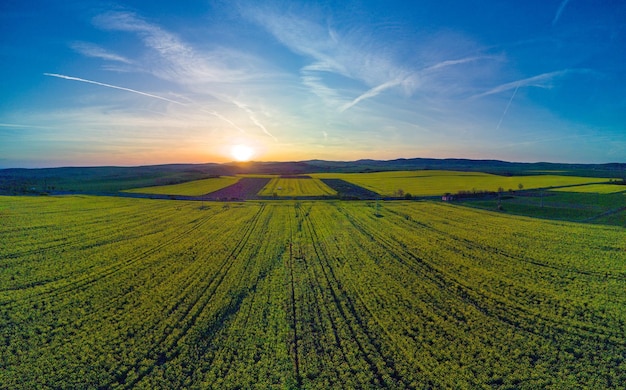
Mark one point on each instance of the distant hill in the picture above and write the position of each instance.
(489, 166)
(112, 179)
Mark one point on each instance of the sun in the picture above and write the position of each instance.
(241, 153)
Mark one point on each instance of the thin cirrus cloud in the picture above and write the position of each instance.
(352, 54)
(357, 55)
(544, 80)
(411, 82)
(330, 52)
(92, 50)
(179, 62)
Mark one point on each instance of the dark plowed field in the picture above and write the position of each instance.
(245, 188)
(349, 190)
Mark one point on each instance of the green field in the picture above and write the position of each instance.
(190, 188)
(429, 183)
(578, 204)
(104, 292)
(293, 186)
(595, 188)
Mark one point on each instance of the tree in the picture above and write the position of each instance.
(520, 186)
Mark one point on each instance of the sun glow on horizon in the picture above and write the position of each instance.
(241, 153)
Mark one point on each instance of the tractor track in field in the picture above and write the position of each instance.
(157, 351)
(334, 284)
(486, 304)
(292, 309)
(606, 214)
(115, 267)
(176, 300)
(249, 292)
(493, 249)
(322, 303)
(163, 354)
(80, 244)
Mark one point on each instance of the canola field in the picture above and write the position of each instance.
(294, 186)
(432, 183)
(190, 188)
(101, 292)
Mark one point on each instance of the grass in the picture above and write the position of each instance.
(431, 183)
(191, 188)
(99, 179)
(281, 186)
(593, 207)
(594, 188)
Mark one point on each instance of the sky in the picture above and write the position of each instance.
(90, 83)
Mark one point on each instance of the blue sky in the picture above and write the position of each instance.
(132, 83)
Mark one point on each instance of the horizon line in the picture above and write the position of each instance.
(312, 160)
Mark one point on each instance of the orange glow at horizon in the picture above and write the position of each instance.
(242, 153)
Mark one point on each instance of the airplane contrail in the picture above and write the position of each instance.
(61, 76)
(507, 107)
(370, 93)
(222, 117)
(253, 118)
(215, 114)
(559, 12)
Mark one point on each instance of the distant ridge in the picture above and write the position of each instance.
(490, 166)
(112, 178)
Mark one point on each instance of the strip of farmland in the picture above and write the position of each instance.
(296, 186)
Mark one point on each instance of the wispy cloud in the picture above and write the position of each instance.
(197, 72)
(179, 61)
(460, 61)
(183, 64)
(354, 55)
(410, 82)
(344, 57)
(544, 80)
(22, 126)
(92, 50)
(317, 87)
(557, 16)
(210, 112)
